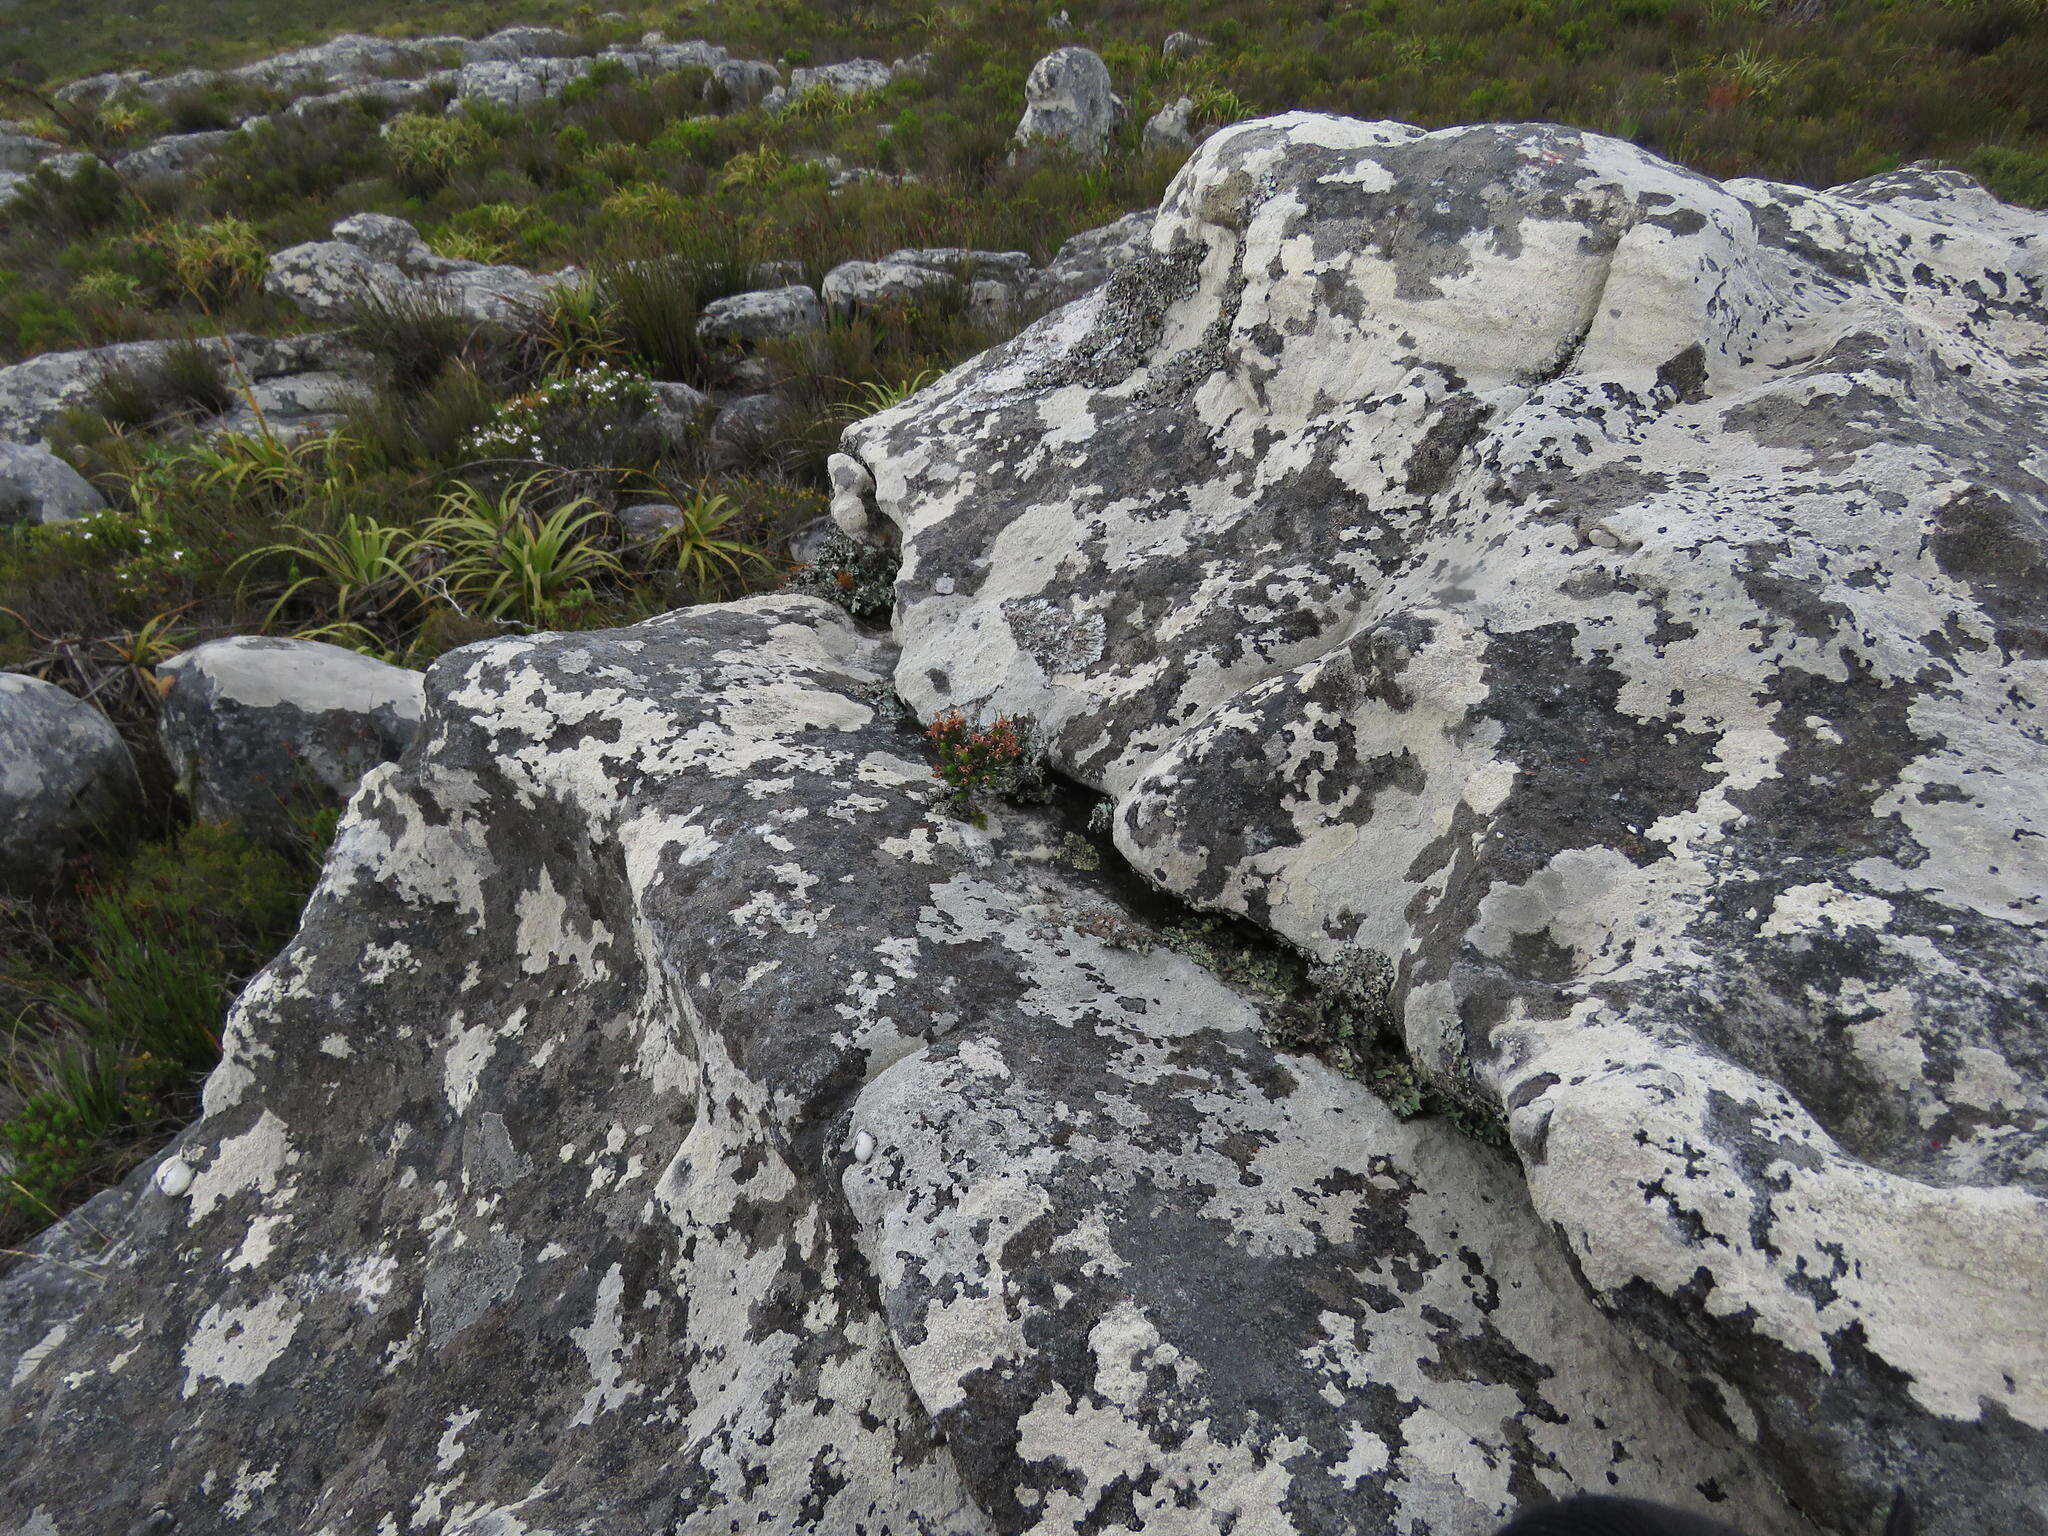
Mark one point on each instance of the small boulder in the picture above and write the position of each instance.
(66, 779)
(746, 319)
(679, 410)
(918, 276)
(22, 152)
(853, 493)
(747, 427)
(740, 83)
(1167, 131)
(255, 725)
(382, 237)
(38, 487)
(649, 520)
(1069, 105)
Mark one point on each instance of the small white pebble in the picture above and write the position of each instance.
(174, 1176)
(863, 1147)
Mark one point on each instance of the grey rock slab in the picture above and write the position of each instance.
(256, 726)
(1069, 105)
(35, 393)
(38, 487)
(175, 155)
(764, 315)
(918, 276)
(1617, 601)
(737, 83)
(669, 1118)
(1087, 260)
(383, 237)
(854, 77)
(647, 521)
(20, 152)
(67, 783)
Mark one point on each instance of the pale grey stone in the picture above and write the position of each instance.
(1069, 105)
(175, 155)
(1166, 131)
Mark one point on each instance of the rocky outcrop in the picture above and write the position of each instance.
(380, 256)
(257, 727)
(38, 487)
(1069, 105)
(175, 155)
(669, 1119)
(67, 783)
(1617, 601)
(36, 393)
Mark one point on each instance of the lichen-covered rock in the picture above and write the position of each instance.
(256, 727)
(516, 82)
(746, 319)
(670, 1119)
(295, 405)
(67, 783)
(383, 237)
(353, 60)
(38, 487)
(1069, 104)
(21, 152)
(1617, 598)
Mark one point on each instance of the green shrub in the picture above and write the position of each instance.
(429, 150)
(217, 260)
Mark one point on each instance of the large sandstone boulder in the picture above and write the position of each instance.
(670, 1119)
(67, 783)
(174, 155)
(257, 727)
(38, 487)
(1616, 599)
(1069, 105)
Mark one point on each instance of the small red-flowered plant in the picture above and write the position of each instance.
(976, 760)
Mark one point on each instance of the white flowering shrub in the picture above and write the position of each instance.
(599, 417)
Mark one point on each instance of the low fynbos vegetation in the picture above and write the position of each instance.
(115, 994)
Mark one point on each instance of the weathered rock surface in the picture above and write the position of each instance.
(1617, 599)
(257, 727)
(745, 319)
(1069, 104)
(38, 487)
(746, 428)
(668, 1119)
(67, 782)
(1087, 260)
(35, 393)
(854, 77)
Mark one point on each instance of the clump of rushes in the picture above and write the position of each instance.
(978, 762)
